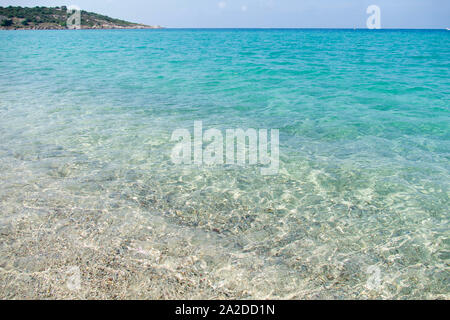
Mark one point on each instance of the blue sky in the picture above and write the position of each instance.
(264, 13)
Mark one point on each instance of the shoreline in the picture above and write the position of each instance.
(87, 28)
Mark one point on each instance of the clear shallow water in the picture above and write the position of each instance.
(85, 125)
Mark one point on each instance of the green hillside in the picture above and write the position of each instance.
(56, 18)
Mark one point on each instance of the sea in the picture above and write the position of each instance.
(92, 205)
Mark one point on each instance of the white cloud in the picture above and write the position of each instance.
(244, 8)
(222, 4)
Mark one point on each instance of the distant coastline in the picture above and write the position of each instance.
(55, 18)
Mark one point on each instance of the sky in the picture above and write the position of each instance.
(263, 13)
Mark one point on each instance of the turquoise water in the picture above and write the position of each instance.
(87, 179)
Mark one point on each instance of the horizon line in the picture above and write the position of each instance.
(241, 28)
(330, 28)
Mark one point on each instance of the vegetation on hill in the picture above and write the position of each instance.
(56, 18)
